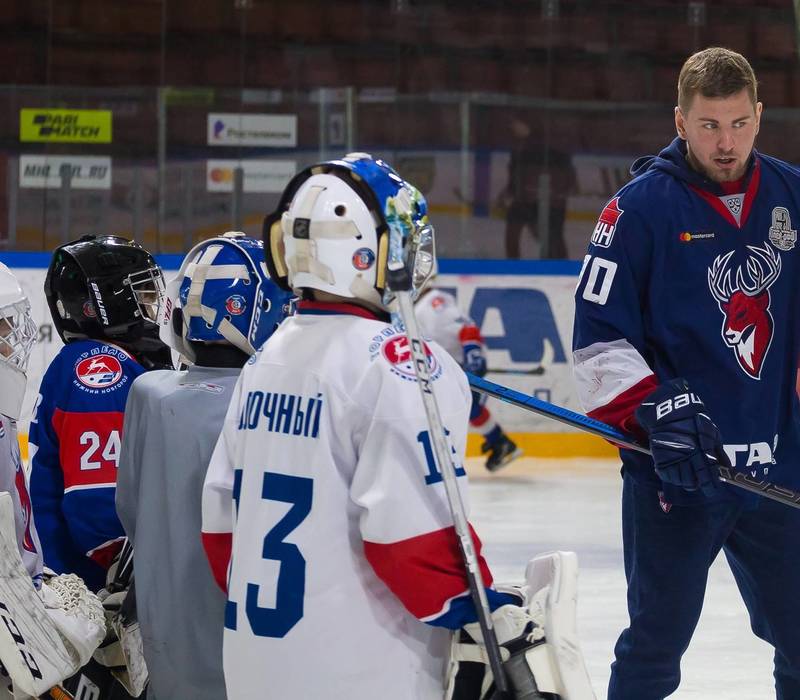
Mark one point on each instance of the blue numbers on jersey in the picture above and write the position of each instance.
(434, 476)
(291, 585)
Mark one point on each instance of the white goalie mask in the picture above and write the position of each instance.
(338, 225)
(17, 338)
(340, 255)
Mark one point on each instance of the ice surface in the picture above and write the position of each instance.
(536, 505)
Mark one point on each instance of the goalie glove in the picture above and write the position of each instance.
(76, 612)
(538, 640)
(122, 651)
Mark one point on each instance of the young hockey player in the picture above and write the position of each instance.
(17, 338)
(323, 484)
(51, 624)
(441, 320)
(687, 331)
(219, 308)
(103, 295)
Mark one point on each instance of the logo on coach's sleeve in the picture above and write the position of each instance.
(781, 233)
(607, 224)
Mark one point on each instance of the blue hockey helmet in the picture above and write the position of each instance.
(222, 293)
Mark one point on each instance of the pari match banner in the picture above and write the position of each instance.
(65, 125)
(523, 308)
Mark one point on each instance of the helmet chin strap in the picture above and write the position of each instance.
(363, 290)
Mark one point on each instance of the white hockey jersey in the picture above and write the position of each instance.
(441, 320)
(14, 481)
(342, 536)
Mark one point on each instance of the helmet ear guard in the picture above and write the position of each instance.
(275, 250)
(383, 259)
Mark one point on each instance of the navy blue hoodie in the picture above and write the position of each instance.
(684, 278)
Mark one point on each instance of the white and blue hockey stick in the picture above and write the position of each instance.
(399, 281)
(596, 427)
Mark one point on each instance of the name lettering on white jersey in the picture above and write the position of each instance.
(282, 413)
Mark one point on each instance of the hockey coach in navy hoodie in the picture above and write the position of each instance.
(687, 333)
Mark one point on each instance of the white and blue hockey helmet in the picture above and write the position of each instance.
(339, 223)
(222, 292)
(17, 337)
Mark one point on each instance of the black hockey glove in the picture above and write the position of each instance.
(471, 678)
(685, 443)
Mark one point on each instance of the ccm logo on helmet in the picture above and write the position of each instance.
(670, 405)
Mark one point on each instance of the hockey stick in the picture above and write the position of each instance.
(596, 427)
(533, 370)
(400, 283)
(124, 572)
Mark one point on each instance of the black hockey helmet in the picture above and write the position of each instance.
(104, 287)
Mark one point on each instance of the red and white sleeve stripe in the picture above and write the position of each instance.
(613, 379)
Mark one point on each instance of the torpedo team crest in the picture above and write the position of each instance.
(744, 299)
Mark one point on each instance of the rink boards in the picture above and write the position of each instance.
(524, 310)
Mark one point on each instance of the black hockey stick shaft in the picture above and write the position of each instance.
(400, 284)
(595, 427)
(124, 572)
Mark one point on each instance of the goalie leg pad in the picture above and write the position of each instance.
(538, 640)
(552, 583)
(36, 649)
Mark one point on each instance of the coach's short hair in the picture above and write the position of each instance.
(715, 72)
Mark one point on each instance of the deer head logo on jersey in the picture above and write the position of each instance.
(747, 326)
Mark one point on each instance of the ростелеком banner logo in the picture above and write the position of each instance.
(270, 130)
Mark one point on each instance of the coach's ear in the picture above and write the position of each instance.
(759, 110)
(680, 122)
